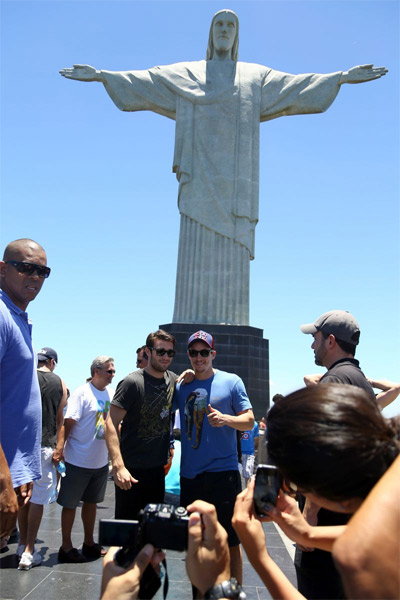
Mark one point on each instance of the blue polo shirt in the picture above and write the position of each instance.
(20, 403)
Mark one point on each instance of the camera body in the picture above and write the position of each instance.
(266, 489)
(162, 525)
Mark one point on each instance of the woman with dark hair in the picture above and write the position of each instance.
(332, 445)
(332, 442)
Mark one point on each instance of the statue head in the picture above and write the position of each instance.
(226, 13)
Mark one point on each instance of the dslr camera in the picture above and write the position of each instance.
(162, 525)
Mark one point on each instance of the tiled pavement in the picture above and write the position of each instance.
(54, 581)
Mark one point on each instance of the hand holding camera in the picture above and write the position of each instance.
(124, 584)
(247, 525)
(208, 559)
(132, 571)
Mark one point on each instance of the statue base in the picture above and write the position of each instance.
(240, 349)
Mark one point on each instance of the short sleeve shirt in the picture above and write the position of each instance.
(145, 431)
(86, 446)
(206, 448)
(247, 439)
(20, 403)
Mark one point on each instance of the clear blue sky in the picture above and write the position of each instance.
(94, 185)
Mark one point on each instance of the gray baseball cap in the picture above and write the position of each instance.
(339, 323)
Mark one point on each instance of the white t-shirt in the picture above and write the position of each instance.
(86, 446)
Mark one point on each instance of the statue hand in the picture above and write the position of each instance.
(363, 73)
(82, 73)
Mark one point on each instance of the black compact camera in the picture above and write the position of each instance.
(266, 488)
(161, 525)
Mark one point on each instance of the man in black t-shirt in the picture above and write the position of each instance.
(336, 335)
(143, 403)
(54, 398)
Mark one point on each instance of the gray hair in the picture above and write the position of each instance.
(235, 47)
(99, 362)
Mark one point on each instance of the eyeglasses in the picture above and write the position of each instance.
(162, 351)
(204, 353)
(29, 268)
(110, 371)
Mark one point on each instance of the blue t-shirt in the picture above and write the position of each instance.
(172, 480)
(21, 406)
(206, 448)
(247, 439)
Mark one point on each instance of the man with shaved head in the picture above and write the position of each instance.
(22, 273)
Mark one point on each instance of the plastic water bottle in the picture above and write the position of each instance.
(61, 468)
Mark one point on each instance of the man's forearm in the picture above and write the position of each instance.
(389, 393)
(112, 441)
(242, 422)
(69, 424)
(59, 449)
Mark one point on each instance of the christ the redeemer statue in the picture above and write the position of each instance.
(218, 104)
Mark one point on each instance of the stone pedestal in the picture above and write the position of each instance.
(240, 349)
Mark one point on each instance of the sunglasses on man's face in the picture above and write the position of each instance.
(162, 351)
(204, 353)
(29, 268)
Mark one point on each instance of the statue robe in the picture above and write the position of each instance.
(217, 106)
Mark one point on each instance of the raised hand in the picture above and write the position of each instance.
(215, 417)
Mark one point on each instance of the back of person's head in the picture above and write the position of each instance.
(160, 334)
(277, 397)
(331, 440)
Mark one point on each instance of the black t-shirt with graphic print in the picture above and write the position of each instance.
(145, 431)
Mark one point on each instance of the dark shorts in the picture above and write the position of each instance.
(149, 489)
(219, 488)
(79, 483)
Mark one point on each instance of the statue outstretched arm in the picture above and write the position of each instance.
(362, 73)
(83, 73)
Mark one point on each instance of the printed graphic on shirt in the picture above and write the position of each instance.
(195, 411)
(155, 411)
(101, 414)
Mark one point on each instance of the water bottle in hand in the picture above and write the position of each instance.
(61, 468)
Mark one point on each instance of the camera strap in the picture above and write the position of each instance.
(166, 581)
(150, 582)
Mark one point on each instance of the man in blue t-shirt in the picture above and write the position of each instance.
(249, 444)
(22, 273)
(212, 408)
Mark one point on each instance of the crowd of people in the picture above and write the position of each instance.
(336, 454)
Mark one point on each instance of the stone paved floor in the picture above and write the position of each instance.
(54, 581)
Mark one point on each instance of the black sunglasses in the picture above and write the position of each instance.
(162, 351)
(110, 371)
(204, 353)
(29, 268)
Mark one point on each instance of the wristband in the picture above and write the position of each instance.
(226, 589)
